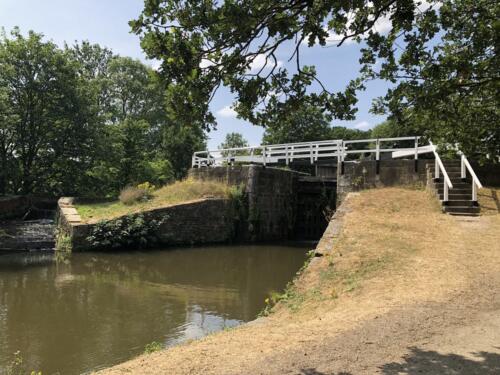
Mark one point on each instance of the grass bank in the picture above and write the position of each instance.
(489, 200)
(180, 191)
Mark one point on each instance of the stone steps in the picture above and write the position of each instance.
(28, 235)
(460, 196)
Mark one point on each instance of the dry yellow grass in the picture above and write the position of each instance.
(180, 191)
(489, 200)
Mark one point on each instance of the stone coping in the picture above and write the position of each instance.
(68, 210)
(334, 229)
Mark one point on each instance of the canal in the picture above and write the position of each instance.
(94, 310)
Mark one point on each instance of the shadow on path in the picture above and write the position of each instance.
(433, 363)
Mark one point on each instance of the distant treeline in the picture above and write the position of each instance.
(81, 120)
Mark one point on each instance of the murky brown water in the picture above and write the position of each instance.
(95, 310)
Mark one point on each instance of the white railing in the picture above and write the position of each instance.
(312, 151)
(476, 184)
(439, 167)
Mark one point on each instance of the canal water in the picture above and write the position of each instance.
(94, 310)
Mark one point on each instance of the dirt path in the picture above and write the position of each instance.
(403, 290)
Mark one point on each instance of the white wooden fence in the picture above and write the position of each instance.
(335, 150)
(308, 151)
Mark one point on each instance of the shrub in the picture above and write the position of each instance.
(128, 231)
(131, 195)
(152, 347)
(147, 186)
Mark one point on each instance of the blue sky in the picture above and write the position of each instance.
(106, 22)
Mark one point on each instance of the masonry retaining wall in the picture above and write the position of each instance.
(360, 175)
(270, 194)
(203, 221)
(14, 207)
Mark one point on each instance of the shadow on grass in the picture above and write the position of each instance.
(433, 363)
(495, 198)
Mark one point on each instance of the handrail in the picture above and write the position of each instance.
(288, 152)
(471, 171)
(447, 180)
(475, 181)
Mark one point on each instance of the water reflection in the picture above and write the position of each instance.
(95, 310)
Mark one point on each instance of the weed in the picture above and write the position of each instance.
(290, 297)
(63, 243)
(17, 367)
(153, 347)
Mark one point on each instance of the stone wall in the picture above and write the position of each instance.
(360, 175)
(13, 207)
(198, 222)
(27, 206)
(232, 175)
(270, 194)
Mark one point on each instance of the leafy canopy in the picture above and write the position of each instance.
(441, 58)
(81, 120)
(206, 44)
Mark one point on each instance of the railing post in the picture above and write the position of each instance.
(445, 189)
(436, 169)
(341, 156)
(474, 192)
(416, 154)
(311, 153)
(286, 154)
(377, 156)
(264, 156)
(462, 167)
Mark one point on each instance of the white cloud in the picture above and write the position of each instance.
(424, 5)
(206, 63)
(363, 125)
(260, 61)
(227, 112)
(155, 64)
(382, 26)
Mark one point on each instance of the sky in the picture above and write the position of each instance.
(106, 22)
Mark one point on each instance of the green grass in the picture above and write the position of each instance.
(180, 191)
(153, 347)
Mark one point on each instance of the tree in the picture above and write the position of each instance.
(203, 45)
(44, 130)
(303, 124)
(390, 129)
(84, 121)
(441, 56)
(179, 142)
(446, 78)
(234, 140)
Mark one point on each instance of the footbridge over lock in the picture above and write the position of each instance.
(325, 171)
